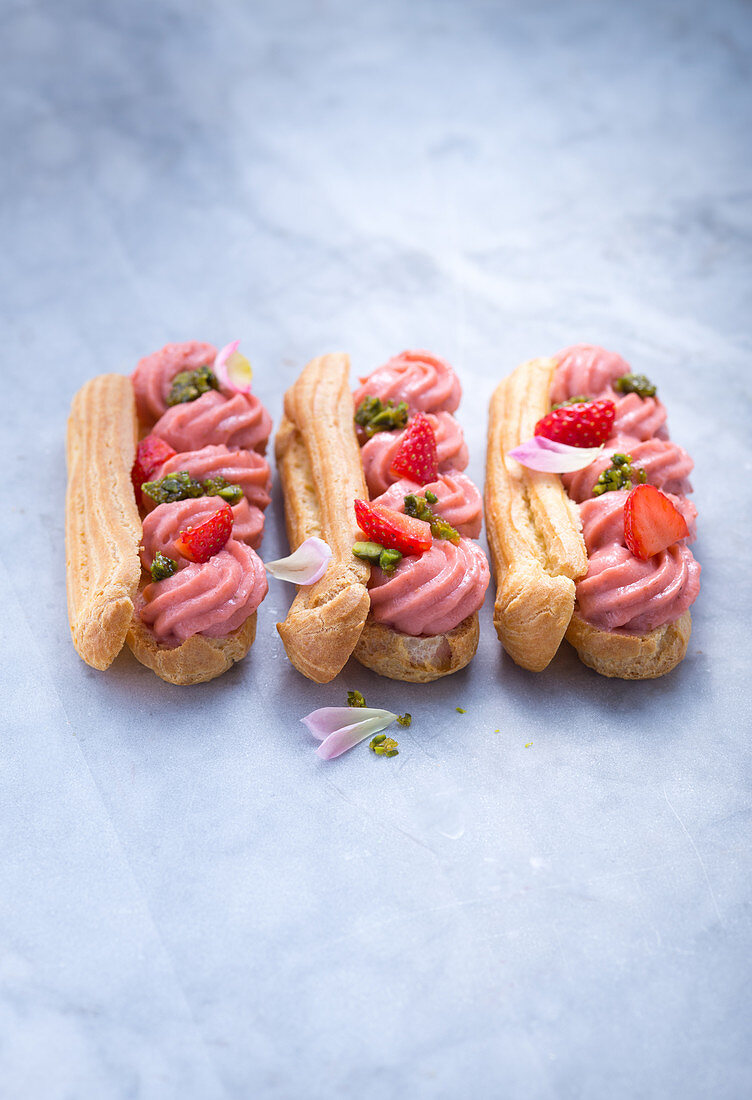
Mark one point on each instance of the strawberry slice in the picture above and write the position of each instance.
(587, 424)
(202, 542)
(651, 522)
(150, 454)
(393, 530)
(417, 457)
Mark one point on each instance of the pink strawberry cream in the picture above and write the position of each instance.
(379, 452)
(237, 421)
(213, 598)
(425, 382)
(666, 465)
(244, 468)
(458, 500)
(152, 378)
(163, 526)
(433, 593)
(622, 592)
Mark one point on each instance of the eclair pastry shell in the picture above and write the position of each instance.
(103, 534)
(417, 659)
(321, 473)
(538, 552)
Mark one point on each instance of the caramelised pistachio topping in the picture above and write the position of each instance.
(383, 745)
(581, 399)
(621, 474)
(162, 567)
(635, 383)
(388, 560)
(355, 699)
(181, 486)
(419, 508)
(190, 384)
(374, 416)
(404, 719)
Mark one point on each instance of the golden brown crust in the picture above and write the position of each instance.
(538, 552)
(534, 534)
(631, 656)
(195, 661)
(418, 660)
(319, 464)
(102, 525)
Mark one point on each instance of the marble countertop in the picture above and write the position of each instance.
(547, 896)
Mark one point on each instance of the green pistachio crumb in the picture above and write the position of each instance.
(431, 497)
(190, 384)
(404, 719)
(418, 507)
(369, 551)
(162, 567)
(355, 699)
(460, 710)
(220, 487)
(389, 560)
(384, 746)
(581, 399)
(497, 731)
(529, 745)
(621, 474)
(172, 487)
(635, 383)
(374, 416)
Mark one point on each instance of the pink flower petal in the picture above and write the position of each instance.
(306, 565)
(341, 728)
(232, 369)
(548, 456)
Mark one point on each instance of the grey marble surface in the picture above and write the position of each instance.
(191, 904)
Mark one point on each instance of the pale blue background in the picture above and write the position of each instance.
(192, 906)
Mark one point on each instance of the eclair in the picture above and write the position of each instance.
(588, 517)
(378, 475)
(167, 486)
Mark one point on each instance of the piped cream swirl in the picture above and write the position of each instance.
(212, 419)
(666, 465)
(163, 526)
(459, 501)
(433, 593)
(212, 598)
(426, 382)
(586, 370)
(623, 592)
(244, 468)
(379, 453)
(152, 378)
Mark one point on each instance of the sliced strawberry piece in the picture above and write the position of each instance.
(150, 454)
(585, 425)
(393, 530)
(417, 457)
(202, 542)
(651, 522)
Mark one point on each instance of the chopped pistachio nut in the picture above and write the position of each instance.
(431, 498)
(220, 487)
(621, 474)
(635, 383)
(369, 551)
(190, 384)
(389, 560)
(355, 699)
(418, 507)
(374, 416)
(383, 745)
(178, 486)
(581, 399)
(162, 567)
(529, 745)
(460, 710)
(404, 719)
